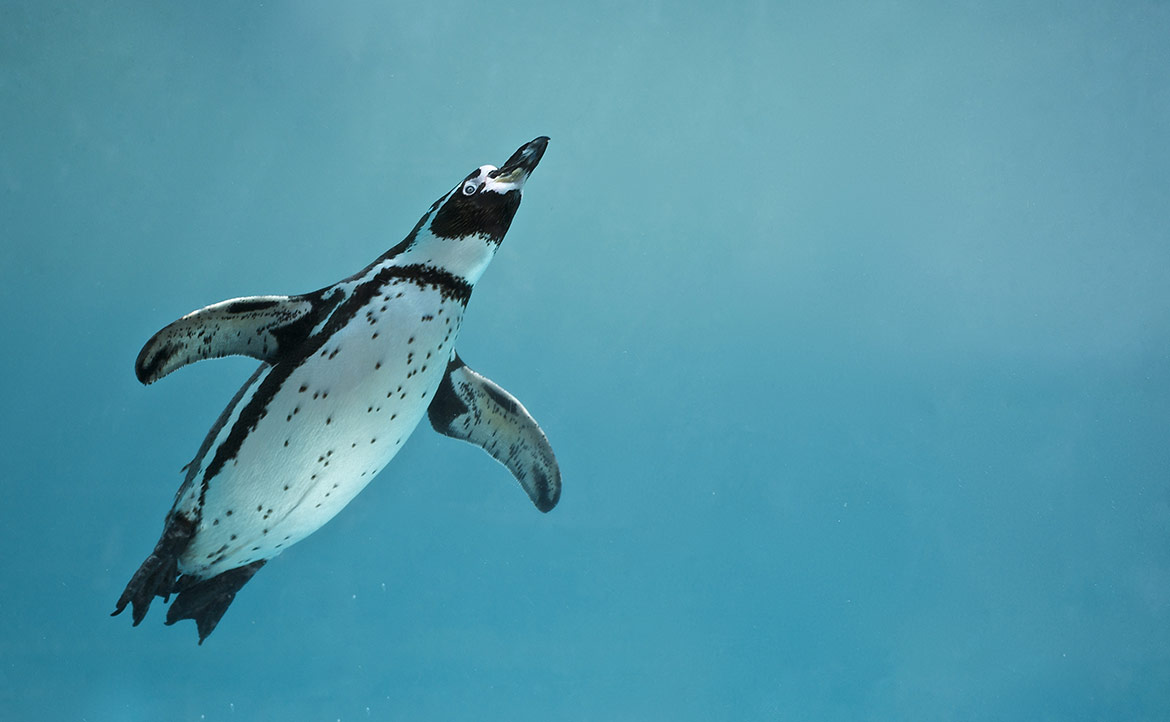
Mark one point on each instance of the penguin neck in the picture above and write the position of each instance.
(466, 257)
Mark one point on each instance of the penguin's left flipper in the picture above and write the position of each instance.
(473, 408)
(258, 326)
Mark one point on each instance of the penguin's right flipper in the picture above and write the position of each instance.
(475, 409)
(206, 600)
(257, 326)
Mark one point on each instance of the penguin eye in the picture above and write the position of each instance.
(469, 189)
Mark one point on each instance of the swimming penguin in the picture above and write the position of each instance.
(347, 373)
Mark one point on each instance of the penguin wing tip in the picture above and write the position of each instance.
(547, 503)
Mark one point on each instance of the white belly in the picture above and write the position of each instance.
(335, 422)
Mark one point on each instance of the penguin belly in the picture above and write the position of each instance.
(334, 422)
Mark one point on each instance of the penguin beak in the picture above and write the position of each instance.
(522, 163)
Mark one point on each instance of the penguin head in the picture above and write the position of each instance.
(487, 199)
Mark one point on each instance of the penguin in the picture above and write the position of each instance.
(347, 372)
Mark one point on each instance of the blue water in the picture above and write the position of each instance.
(849, 323)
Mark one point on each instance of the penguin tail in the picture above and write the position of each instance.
(206, 600)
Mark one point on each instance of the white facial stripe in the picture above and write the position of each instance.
(509, 182)
(503, 184)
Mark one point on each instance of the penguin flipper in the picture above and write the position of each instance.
(257, 326)
(206, 600)
(473, 408)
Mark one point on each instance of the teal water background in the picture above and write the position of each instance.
(849, 322)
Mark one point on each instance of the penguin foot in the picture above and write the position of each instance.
(156, 577)
(206, 600)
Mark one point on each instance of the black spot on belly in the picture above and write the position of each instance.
(335, 310)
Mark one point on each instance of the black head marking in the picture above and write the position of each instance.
(483, 212)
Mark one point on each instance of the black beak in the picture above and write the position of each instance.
(524, 160)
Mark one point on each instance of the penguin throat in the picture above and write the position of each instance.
(466, 257)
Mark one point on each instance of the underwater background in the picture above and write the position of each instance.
(849, 323)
